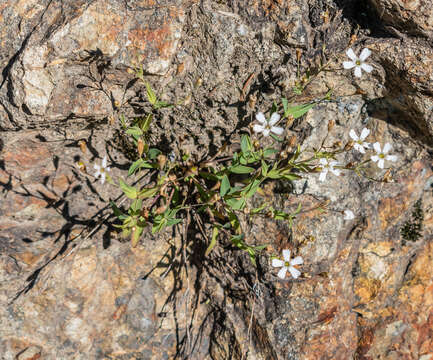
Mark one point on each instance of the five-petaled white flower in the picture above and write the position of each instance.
(328, 166)
(358, 62)
(381, 155)
(267, 126)
(348, 215)
(101, 169)
(288, 264)
(360, 144)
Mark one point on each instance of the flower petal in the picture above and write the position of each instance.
(348, 215)
(361, 149)
(391, 157)
(286, 255)
(386, 148)
(353, 135)
(277, 130)
(275, 117)
(97, 167)
(102, 178)
(336, 172)
(333, 163)
(365, 53)
(277, 263)
(349, 64)
(364, 133)
(282, 273)
(258, 128)
(381, 163)
(374, 158)
(376, 147)
(297, 261)
(266, 132)
(295, 272)
(351, 54)
(104, 162)
(260, 117)
(358, 72)
(323, 161)
(322, 176)
(366, 67)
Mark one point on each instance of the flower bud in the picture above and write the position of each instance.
(331, 125)
(349, 145)
(298, 54)
(83, 146)
(198, 83)
(140, 147)
(337, 144)
(256, 144)
(162, 160)
(292, 141)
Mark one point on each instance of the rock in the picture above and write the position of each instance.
(60, 70)
(72, 288)
(413, 17)
(409, 80)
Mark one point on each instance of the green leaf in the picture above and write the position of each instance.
(274, 174)
(140, 163)
(246, 144)
(136, 235)
(129, 191)
(151, 96)
(136, 205)
(251, 188)
(146, 124)
(241, 169)
(162, 104)
(212, 244)
(236, 203)
(225, 185)
(147, 193)
(285, 104)
(117, 212)
(265, 168)
(172, 222)
(291, 177)
(134, 131)
(153, 153)
(298, 110)
(269, 151)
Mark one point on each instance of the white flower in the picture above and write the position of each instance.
(101, 169)
(328, 166)
(381, 155)
(349, 215)
(358, 62)
(360, 144)
(287, 264)
(267, 126)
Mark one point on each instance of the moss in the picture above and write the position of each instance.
(411, 230)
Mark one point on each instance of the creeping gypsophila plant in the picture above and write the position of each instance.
(216, 191)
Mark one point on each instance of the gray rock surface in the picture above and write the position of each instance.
(71, 288)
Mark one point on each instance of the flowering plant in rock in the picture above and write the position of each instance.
(101, 170)
(288, 264)
(215, 192)
(358, 62)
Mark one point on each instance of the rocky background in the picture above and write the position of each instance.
(71, 288)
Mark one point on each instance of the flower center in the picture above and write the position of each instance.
(359, 142)
(358, 62)
(382, 156)
(286, 264)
